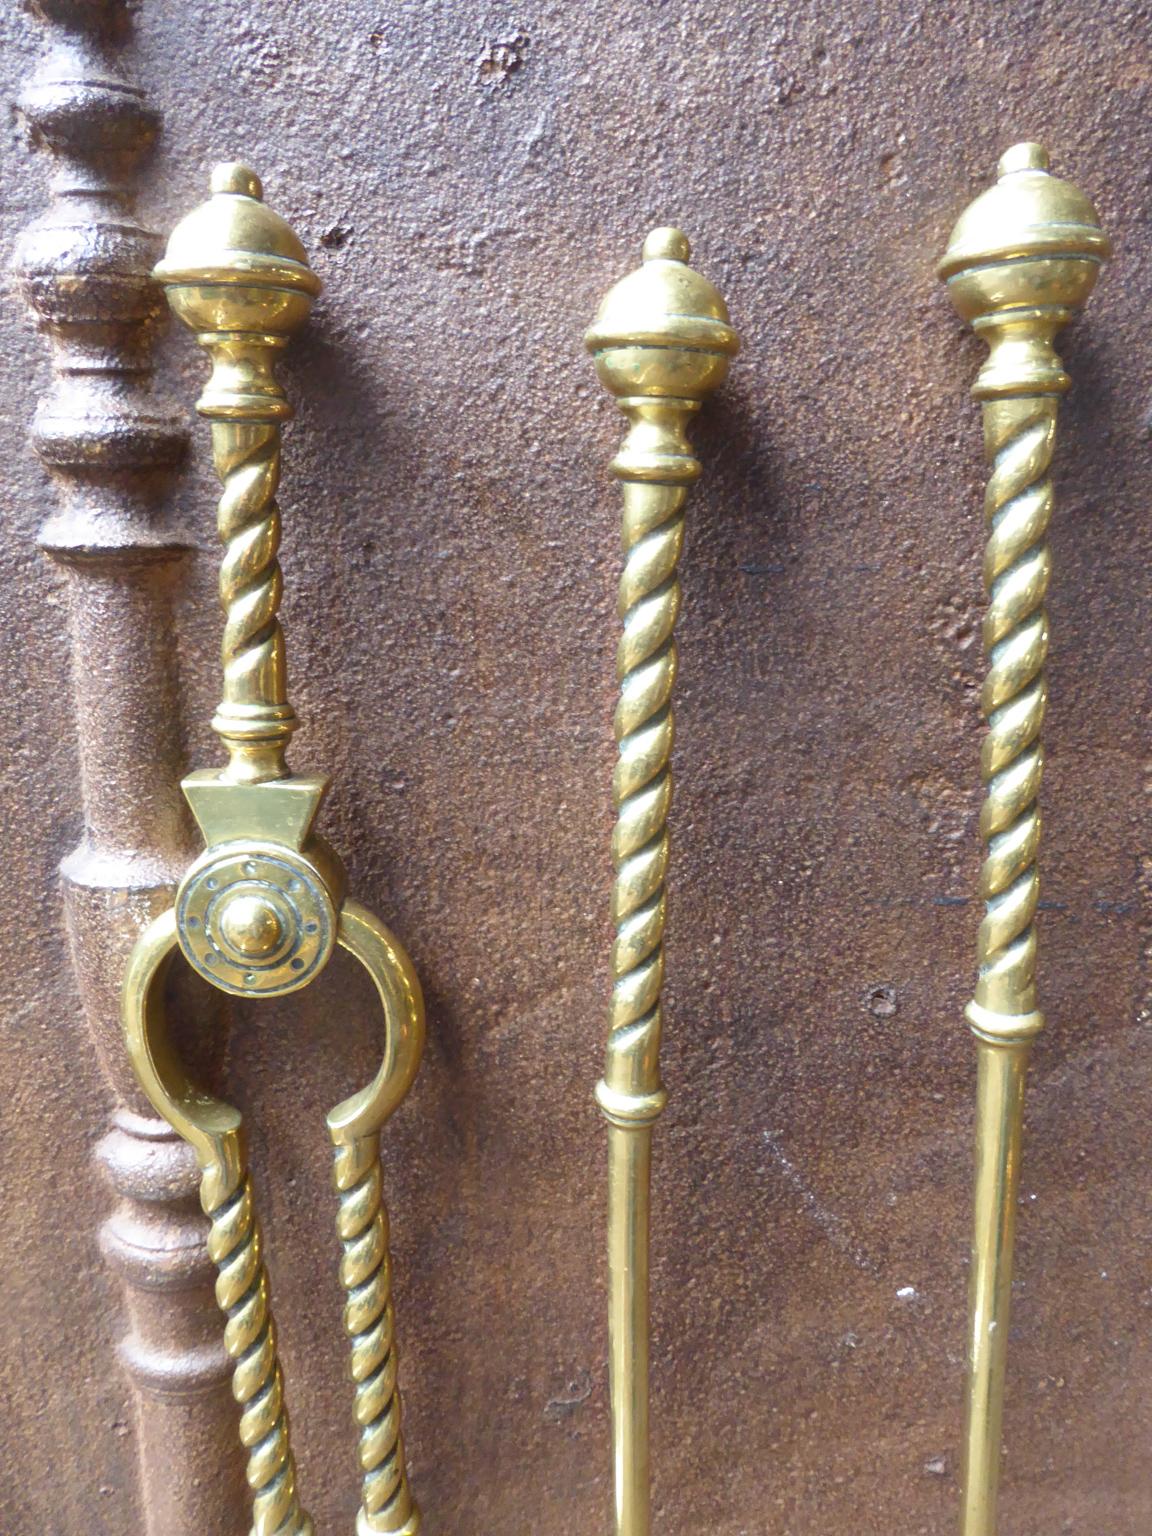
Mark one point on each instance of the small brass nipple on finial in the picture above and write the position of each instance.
(1028, 156)
(667, 244)
(235, 177)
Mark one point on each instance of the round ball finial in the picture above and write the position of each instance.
(663, 330)
(239, 179)
(667, 244)
(1028, 156)
(1031, 241)
(233, 265)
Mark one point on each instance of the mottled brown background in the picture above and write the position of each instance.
(450, 558)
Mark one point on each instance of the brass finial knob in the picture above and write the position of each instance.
(663, 330)
(233, 266)
(251, 926)
(1029, 242)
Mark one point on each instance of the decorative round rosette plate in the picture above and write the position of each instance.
(254, 920)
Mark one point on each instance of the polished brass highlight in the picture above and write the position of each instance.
(259, 912)
(662, 343)
(1022, 259)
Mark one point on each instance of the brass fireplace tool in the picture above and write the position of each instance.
(258, 914)
(662, 343)
(1022, 259)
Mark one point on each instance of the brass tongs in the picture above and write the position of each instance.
(259, 912)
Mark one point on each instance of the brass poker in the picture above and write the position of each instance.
(662, 343)
(1022, 259)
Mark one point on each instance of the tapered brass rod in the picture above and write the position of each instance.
(1023, 258)
(662, 343)
(999, 1109)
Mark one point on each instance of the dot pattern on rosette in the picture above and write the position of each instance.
(256, 921)
(1022, 259)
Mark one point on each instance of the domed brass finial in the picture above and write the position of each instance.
(667, 244)
(1027, 156)
(1024, 256)
(234, 266)
(235, 176)
(663, 330)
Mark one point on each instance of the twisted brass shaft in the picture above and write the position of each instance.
(366, 1274)
(1020, 436)
(655, 467)
(254, 718)
(235, 1245)
(649, 602)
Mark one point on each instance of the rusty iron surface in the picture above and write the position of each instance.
(467, 183)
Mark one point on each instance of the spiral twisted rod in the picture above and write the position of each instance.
(370, 1322)
(236, 1248)
(1020, 438)
(1021, 260)
(649, 602)
(662, 343)
(254, 718)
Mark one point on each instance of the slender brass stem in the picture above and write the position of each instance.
(999, 1112)
(662, 343)
(631, 1093)
(1019, 441)
(629, 1184)
(1021, 260)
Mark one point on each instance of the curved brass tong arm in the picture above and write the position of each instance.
(215, 1132)
(259, 912)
